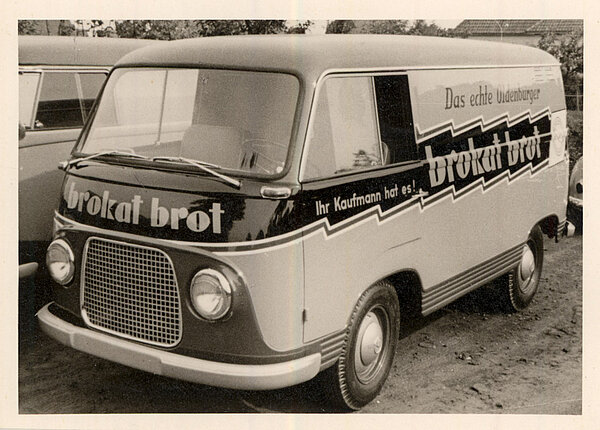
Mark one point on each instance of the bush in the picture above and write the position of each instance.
(575, 124)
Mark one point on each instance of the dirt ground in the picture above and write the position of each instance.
(466, 358)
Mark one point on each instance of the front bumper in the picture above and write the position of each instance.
(160, 362)
(27, 270)
(578, 203)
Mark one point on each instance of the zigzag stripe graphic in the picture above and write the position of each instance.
(479, 121)
(485, 185)
(324, 227)
(426, 201)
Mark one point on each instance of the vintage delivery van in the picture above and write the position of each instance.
(248, 212)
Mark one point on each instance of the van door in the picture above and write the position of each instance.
(361, 179)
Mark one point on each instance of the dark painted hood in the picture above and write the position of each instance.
(171, 205)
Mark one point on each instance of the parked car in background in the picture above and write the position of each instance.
(575, 208)
(59, 78)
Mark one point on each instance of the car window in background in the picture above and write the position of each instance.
(90, 87)
(65, 98)
(59, 102)
(28, 85)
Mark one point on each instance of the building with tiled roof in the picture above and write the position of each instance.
(521, 31)
(560, 26)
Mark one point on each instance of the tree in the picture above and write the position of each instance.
(65, 28)
(182, 29)
(421, 28)
(340, 26)
(368, 26)
(146, 29)
(264, 26)
(568, 49)
(399, 26)
(390, 26)
(27, 27)
(299, 28)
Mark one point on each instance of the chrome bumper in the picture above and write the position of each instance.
(569, 229)
(576, 202)
(27, 270)
(159, 362)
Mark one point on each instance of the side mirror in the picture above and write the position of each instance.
(21, 131)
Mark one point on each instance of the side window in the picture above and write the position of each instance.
(90, 87)
(395, 118)
(65, 98)
(28, 87)
(344, 134)
(59, 102)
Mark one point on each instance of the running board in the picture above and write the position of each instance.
(450, 290)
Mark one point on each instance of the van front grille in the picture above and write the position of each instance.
(130, 291)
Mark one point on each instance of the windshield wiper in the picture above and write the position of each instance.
(75, 161)
(202, 165)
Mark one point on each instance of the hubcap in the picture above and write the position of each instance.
(369, 348)
(526, 267)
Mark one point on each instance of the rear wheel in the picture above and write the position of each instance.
(575, 215)
(368, 351)
(522, 282)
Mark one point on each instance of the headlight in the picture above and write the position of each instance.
(60, 261)
(211, 294)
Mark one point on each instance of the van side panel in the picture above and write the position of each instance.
(340, 263)
(488, 136)
(40, 180)
(492, 143)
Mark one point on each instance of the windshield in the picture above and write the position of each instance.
(235, 120)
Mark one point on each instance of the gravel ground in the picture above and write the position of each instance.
(466, 358)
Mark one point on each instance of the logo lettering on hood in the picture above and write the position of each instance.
(129, 211)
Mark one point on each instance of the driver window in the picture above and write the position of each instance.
(344, 134)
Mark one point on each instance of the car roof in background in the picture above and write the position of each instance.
(75, 51)
(314, 54)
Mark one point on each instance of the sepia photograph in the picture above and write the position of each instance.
(313, 216)
(298, 215)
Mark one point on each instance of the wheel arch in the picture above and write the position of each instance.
(549, 225)
(409, 290)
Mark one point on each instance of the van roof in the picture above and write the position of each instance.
(311, 55)
(75, 51)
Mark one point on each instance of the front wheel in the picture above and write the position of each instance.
(369, 347)
(522, 282)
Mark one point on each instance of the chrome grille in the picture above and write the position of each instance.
(130, 291)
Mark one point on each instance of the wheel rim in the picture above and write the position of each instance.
(371, 344)
(527, 269)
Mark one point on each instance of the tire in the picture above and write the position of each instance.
(368, 351)
(522, 282)
(575, 215)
